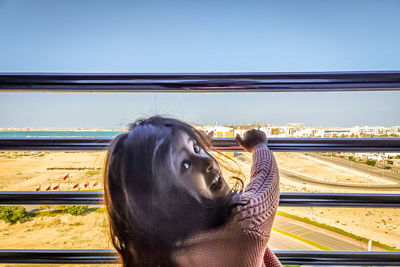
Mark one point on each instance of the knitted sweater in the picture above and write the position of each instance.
(242, 241)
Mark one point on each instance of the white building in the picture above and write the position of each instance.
(219, 131)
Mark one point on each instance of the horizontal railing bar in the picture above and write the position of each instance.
(222, 144)
(339, 258)
(285, 257)
(61, 197)
(340, 200)
(52, 256)
(286, 199)
(201, 82)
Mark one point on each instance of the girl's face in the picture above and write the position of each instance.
(197, 171)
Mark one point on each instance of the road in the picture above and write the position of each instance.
(310, 180)
(323, 237)
(385, 174)
(280, 241)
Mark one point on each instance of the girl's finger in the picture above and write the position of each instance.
(239, 139)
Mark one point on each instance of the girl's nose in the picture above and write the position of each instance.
(210, 164)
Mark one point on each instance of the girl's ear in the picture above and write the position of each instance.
(210, 135)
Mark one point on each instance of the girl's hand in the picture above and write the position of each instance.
(207, 136)
(251, 139)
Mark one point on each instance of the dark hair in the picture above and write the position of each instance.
(148, 213)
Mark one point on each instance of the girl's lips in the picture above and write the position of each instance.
(217, 183)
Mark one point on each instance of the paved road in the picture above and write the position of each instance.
(280, 241)
(385, 174)
(310, 180)
(312, 233)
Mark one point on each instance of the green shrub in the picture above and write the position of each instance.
(74, 209)
(101, 210)
(13, 214)
(352, 158)
(371, 162)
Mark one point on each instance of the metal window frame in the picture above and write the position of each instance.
(223, 144)
(354, 200)
(103, 256)
(202, 82)
(210, 83)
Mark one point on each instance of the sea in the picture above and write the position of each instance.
(101, 134)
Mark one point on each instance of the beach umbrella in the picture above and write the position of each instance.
(66, 176)
(48, 188)
(86, 185)
(38, 188)
(56, 187)
(95, 184)
(76, 186)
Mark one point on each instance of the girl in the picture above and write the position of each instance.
(169, 205)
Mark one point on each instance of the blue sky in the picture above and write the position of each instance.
(199, 36)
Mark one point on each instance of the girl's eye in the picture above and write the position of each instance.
(196, 148)
(185, 165)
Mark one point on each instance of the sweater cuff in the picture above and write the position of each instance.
(258, 146)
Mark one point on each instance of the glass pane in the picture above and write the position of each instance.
(297, 228)
(55, 227)
(299, 172)
(294, 228)
(321, 228)
(330, 111)
(327, 172)
(196, 37)
(339, 172)
(51, 170)
(61, 265)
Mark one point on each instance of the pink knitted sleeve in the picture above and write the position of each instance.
(261, 196)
